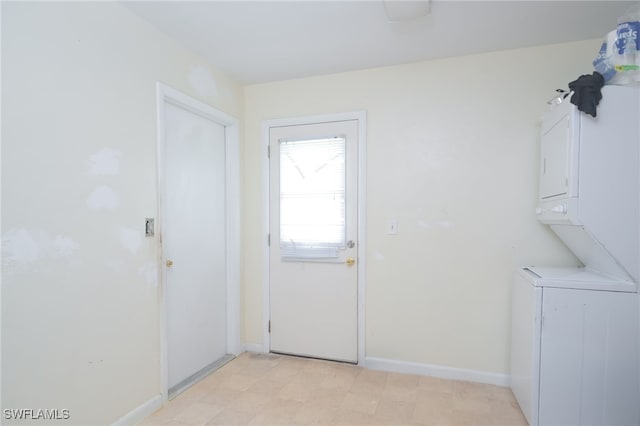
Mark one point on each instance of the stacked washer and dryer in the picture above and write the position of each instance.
(575, 357)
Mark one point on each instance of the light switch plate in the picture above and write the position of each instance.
(149, 225)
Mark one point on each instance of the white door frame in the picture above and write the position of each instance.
(361, 117)
(232, 182)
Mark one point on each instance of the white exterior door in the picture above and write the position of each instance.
(313, 240)
(194, 243)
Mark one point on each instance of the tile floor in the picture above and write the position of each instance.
(267, 389)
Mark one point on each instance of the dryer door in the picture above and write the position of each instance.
(554, 167)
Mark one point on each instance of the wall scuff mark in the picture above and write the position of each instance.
(423, 224)
(103, 197)
(25, 250)
(130, 240)
(19, 249)
(202, 82)
(149, 271)
(378, 256)
(105, 162)
(64, 246)
(115, 265)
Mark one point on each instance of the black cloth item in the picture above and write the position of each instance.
(586, 92)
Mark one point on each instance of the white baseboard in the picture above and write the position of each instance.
(254, 347)
(407, 367)
(436, 371)
(140, 413)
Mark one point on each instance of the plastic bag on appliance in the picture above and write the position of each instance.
(627, 39)
(626, 57)
(619, 57)
(603, 62)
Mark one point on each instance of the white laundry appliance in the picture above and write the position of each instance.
(576, 331)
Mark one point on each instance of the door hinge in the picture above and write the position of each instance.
(269, 326)
(268, 151)
(268, 240)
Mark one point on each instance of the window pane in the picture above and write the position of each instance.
(312, 198)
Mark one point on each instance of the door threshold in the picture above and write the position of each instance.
(196, 377)
(314, 357)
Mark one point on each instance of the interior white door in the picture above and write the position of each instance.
(313, 240)
(194, 243)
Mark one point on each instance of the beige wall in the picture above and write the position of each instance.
(452, 154)
(80, 319)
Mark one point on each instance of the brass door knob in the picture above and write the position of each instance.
(350, 261)
(169, 263)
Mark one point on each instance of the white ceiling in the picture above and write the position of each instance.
(260, 41)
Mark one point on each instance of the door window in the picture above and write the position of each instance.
(312, 198)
